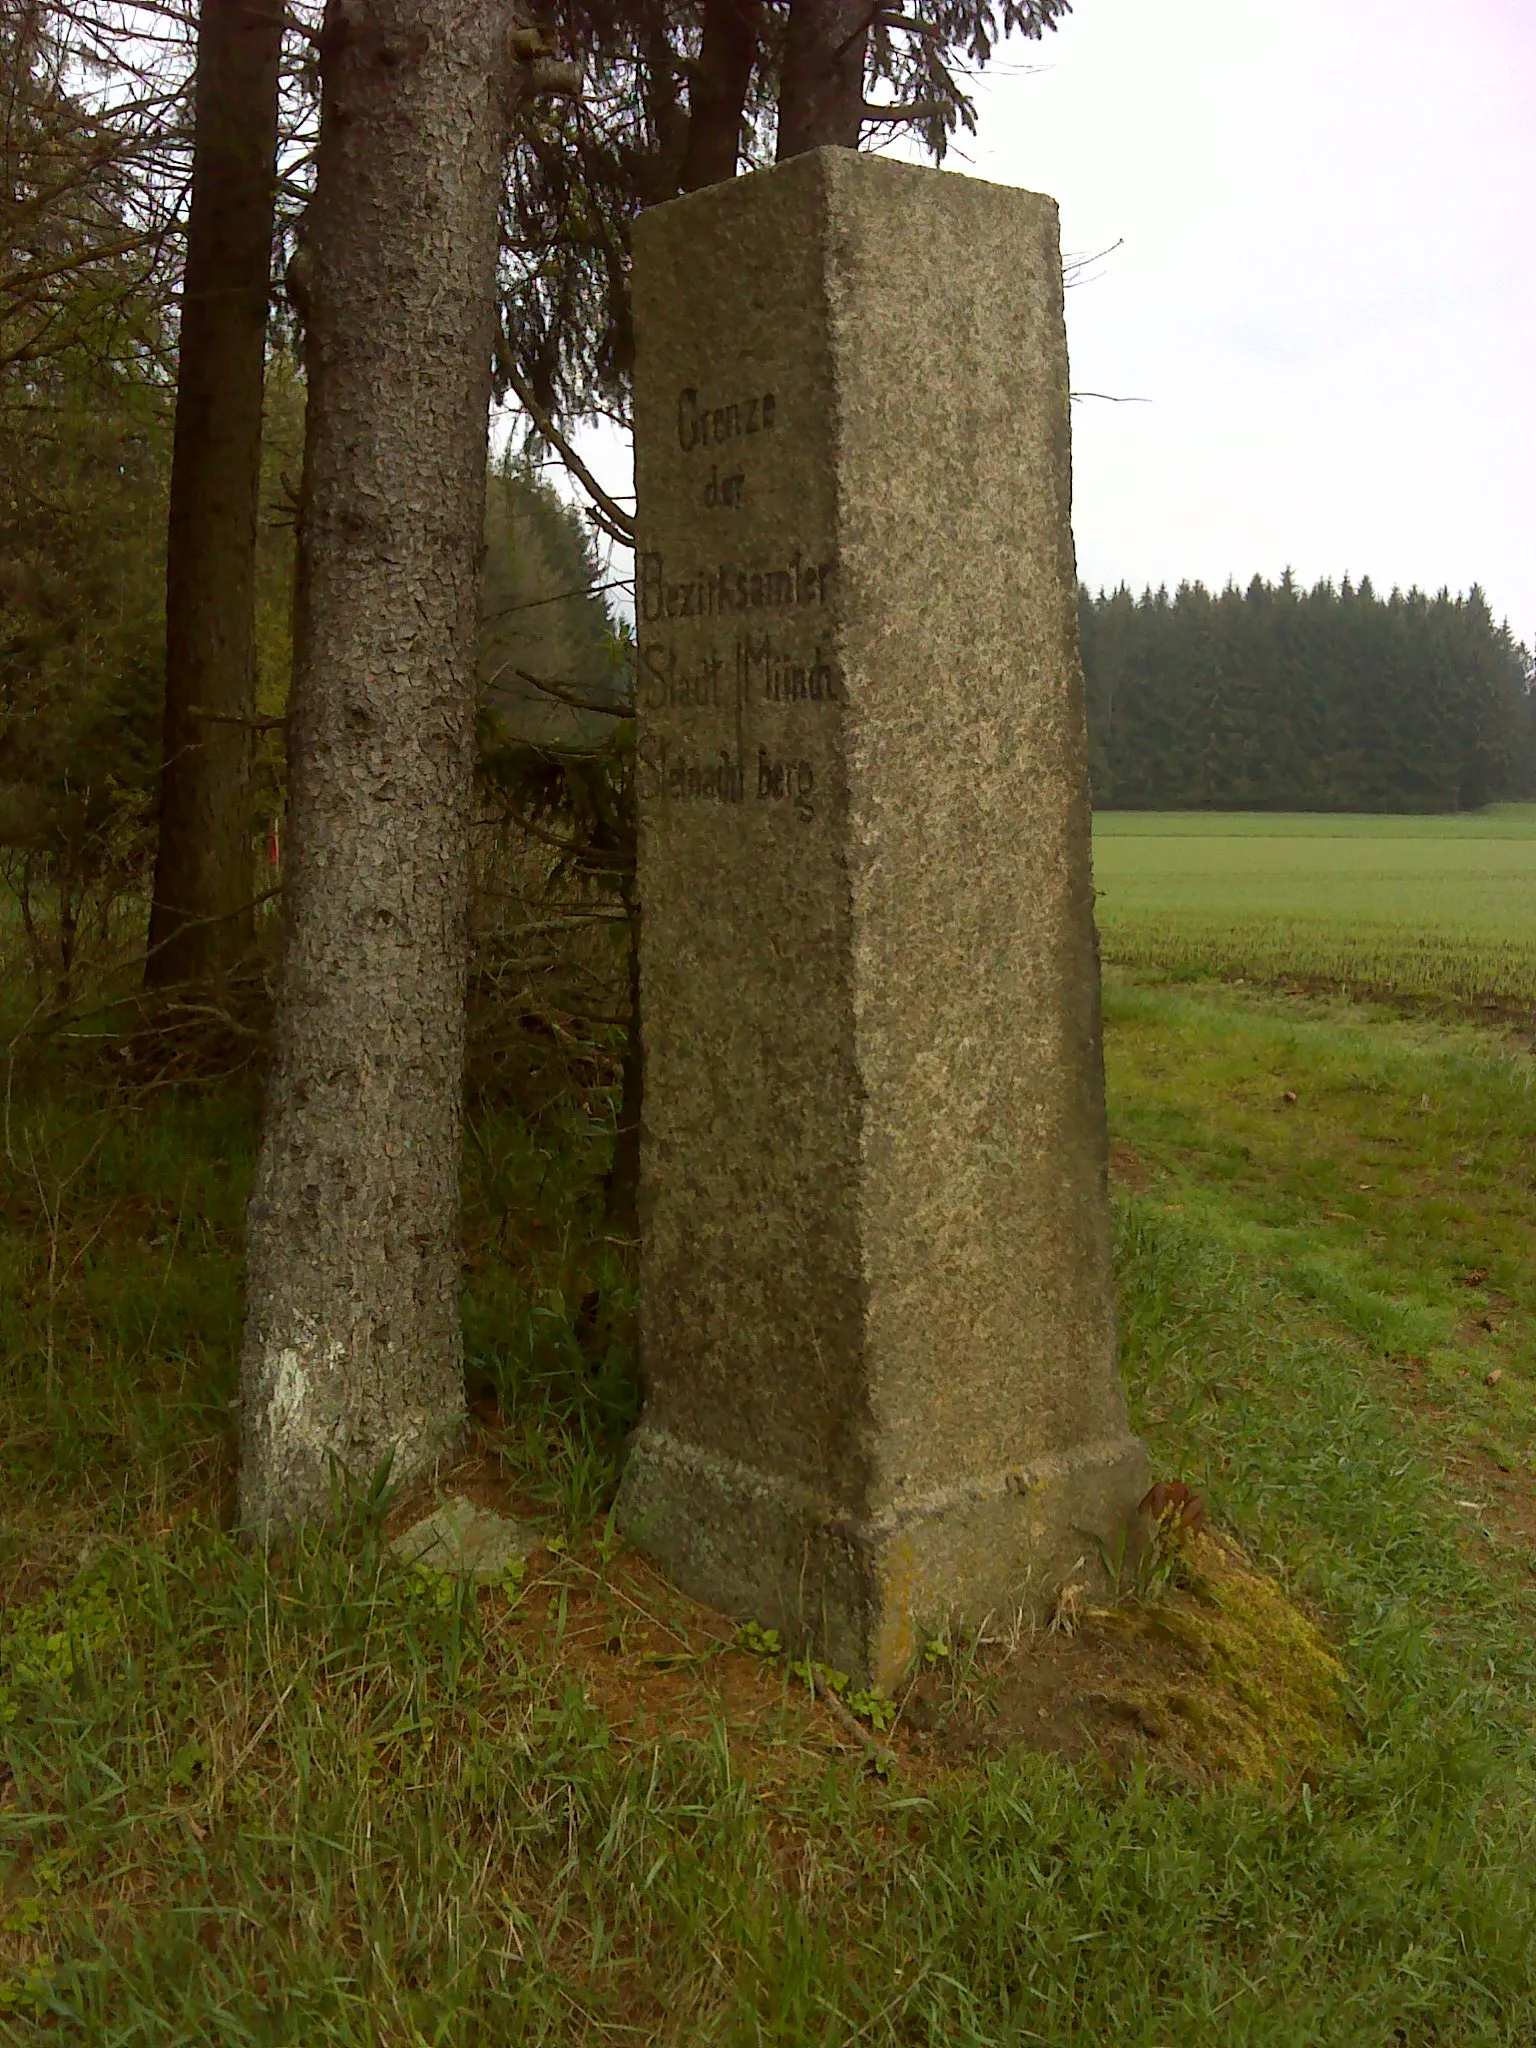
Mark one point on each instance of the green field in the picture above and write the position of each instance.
(324, 1800)
(1421, 907)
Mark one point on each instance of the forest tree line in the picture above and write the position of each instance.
(1284, 699)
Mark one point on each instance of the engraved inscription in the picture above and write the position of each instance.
(772, 672)
(662, 688)
(791, 780)
(676, 775)
(682, 777)
(762, 668)
(731, 587)
(711, 426)
(700, 693)
(725, 493)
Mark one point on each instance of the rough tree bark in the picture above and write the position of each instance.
(352, 1348)
(200, 921)
(717, 91)
(821, 78)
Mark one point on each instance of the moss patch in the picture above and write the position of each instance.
(1263, 1693)
(1209, 1671)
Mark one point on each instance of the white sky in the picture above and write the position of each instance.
(1326, 289)
(1326, 284)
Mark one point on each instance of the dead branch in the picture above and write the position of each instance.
(879, 1754)
(569, 697)
(912, 110)
(230, 718)
(614, 519)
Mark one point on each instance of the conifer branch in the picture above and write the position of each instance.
(606, 513)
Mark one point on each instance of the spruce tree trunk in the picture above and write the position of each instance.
(717, 91)
(352, 1345)
(200, 922)
(821, 78)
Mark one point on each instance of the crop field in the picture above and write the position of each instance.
(1420, 907)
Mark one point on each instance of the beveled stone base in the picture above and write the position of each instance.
(862, 1590)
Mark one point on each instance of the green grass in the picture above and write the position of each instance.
(121, 1225)
(1422, 907)
(1386, 1167)
(326, 1800)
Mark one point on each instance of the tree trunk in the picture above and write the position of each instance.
(200, 921)
(717, 94)
(821, 80)
(353, 1350)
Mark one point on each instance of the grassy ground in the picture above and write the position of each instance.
(1422, 907)
(1385, 1166)
(330, 1799)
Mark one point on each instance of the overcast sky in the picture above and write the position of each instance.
(1324, 289)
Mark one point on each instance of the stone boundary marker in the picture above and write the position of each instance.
(877, 1315)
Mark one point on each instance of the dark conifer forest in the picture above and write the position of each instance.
(1279, 698)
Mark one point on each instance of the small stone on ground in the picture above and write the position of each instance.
(465, 1541)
